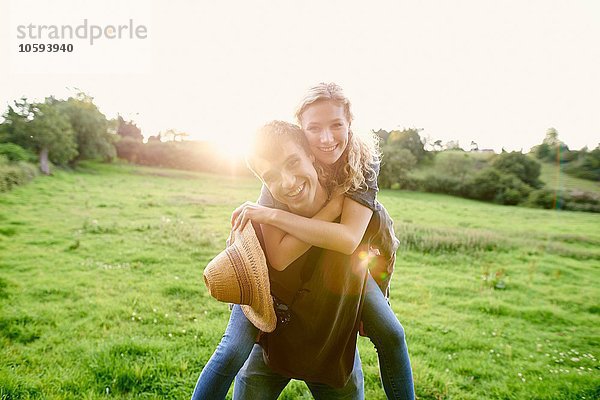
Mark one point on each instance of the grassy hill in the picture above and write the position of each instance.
(554, 178)
(101, 293)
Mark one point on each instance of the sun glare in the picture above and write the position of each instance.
(232, 148)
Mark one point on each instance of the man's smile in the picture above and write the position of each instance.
(296, 191)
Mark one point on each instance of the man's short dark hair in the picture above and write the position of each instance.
(269, 138)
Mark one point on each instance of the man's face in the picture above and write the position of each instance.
(291, 177)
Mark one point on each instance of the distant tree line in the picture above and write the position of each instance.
(174, 152)
(65, 132)
(510, 178)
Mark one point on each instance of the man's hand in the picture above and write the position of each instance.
(250, 211)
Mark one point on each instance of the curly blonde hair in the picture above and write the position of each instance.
(355, 166)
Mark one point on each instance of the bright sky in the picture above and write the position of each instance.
(496, 72)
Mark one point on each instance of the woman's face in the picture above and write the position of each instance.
(326, 128)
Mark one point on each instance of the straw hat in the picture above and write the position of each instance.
(239, 275)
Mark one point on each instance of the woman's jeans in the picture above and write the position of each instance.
(387, 334)
(228, 358)
(380, 325)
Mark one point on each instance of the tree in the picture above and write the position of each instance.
(90, 127)
(43, 129)
(408, 139)
(173, 135)
(395, 165)
(127, 129)
(551, 149)
(382, 134)
(453, 145)
(518, 164)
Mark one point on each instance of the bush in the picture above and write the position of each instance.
(193, 156)
(485, 185)
(395, 165)
(564, 200)
(129, 149)
(443, 184)
(503, 188)
(587, 166)
(542, 198)
(13, 174)
(523, 167)
(15, 152)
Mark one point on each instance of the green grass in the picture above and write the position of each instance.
(101, 293)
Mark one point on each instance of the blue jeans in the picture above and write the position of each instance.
(256, 381)
(228, 358)
(387, 334)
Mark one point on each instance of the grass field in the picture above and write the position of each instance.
(101, 294)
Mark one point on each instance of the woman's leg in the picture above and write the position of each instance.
(231, 353)
(386, 333)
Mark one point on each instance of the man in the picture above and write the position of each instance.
(319, 296)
